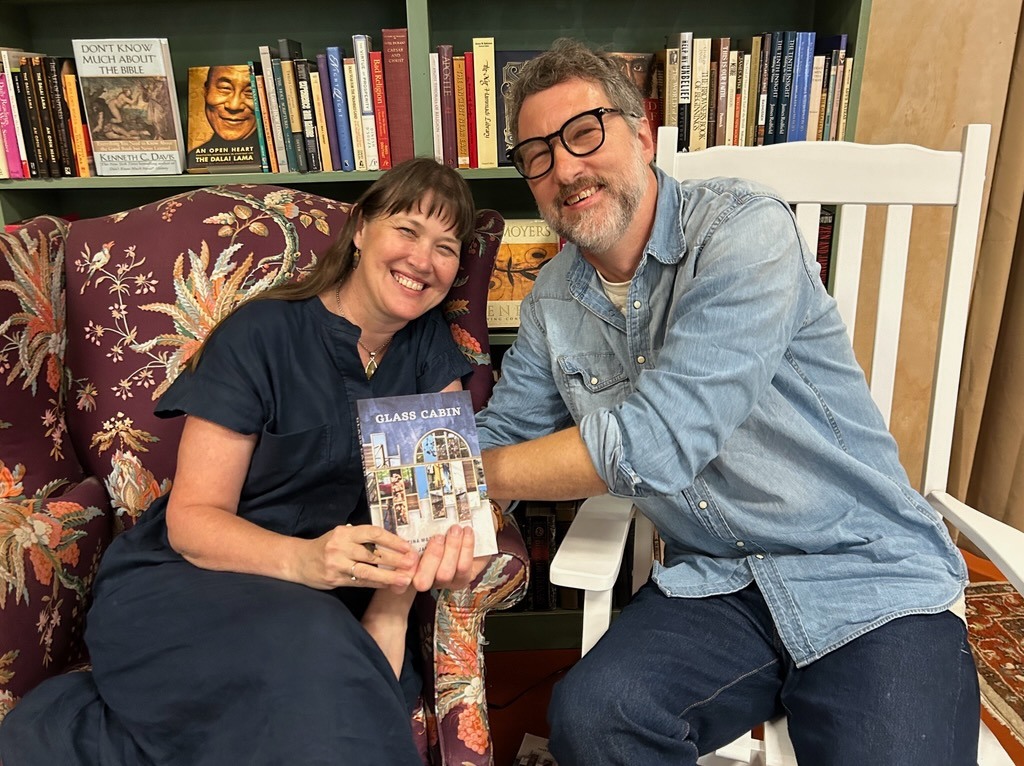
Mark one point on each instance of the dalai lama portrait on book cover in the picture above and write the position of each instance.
(222, 135)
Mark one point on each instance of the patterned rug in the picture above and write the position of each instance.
(995, 613)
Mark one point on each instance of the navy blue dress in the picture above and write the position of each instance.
(192, 666)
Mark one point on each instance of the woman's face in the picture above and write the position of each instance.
(408, 263)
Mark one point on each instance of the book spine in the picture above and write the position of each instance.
(12, 67)
(45, 116)
(753, 83)
(774, 87)
(59, 108)
(339, 97)
(833, 130)
(740, 122)
(354, 117)
(273, 109)
(327, 103)
(364, 92)
(720, 47)
(822, 104)
(310, 142)
(80, 146)
(320, 118)
(268, 134)
(449, 124)
(730, 99)
(435, 105)
(290, 83)
(834, 72)
(8, 131)
(474, 157)
(685, 88)
(712, 101)
(814, 98)
(380, 109)
(785, 88)
(398, 92)
(671, 88)
(261, 137)
(701, 69)
(461, 121)
(35, 128)
(844, 107)
(291, 158)
(486, 102)
(762, 88)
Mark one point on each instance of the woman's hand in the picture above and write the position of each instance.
(448, 562)
(364, 556)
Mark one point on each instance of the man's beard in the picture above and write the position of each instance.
(598, 230)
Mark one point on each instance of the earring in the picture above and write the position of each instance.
(356, 255)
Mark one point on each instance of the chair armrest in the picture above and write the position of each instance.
(590, 555)
(1003, 544)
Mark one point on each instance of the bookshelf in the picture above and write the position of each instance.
(203, 32)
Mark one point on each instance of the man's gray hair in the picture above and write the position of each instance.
(569, 59)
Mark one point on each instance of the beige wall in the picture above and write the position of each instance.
(931, 67)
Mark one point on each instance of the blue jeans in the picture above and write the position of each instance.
(676, 678)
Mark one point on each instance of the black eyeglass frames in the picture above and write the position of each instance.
(581, 135)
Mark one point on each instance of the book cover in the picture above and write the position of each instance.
(685, 82)
(800, 104)
(54, 68)
(355, 119)
(700, 92)
(291, 116)
(421, 460)
(8, 129)
(76, 120)
(474, 156)
(640, 68)
(774, 85)
(670, 99)
(222, 133)
(339, 99)
(291, 154)
(507, 66)
(785, 104)
(526, 245)
(449, 121)
(486, 98)
(30, 166)
(258, 108)
(435, 106)
(720, 48)
(394, 47)
(461, 109)
(130, 102)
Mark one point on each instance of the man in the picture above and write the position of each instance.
(682, 352)
(231, 113)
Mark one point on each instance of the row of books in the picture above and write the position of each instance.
(771, 88)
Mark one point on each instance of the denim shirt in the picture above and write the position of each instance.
(727, 404)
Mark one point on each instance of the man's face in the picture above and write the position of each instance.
(590, 201)
(229, 105)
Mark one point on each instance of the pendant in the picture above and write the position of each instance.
(371, 366)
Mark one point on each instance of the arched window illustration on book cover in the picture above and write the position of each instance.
(421, 458)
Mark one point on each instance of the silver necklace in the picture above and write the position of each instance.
(371, 365)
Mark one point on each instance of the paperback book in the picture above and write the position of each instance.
(526, 245)
(131, 106)
(222, 129)
(421, 460)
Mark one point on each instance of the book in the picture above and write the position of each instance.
(262, 134)
(43, 141)
(641, 69)
(394, 46)
(54, 68)
(291, 153)
(474, 157)
(131, 106)
(720, 47)
(461, 109)
(435, 106)
(291, 116)
(276, 135)
(764, 71)
(380, 109)
(307, 115)
(10, 59)
(774, 87)
(700, 93)
(685, 82)
(670, 97)
(539, 536)
(339, 98)
(449, 121)
(800, 106)
(424, 473)
(507, 66)
(355, 118)
(222, 132)
(9, 129)
(814, 98)
(326, 131)
(526, 245)
(753, 93)
(486, 97)
(364, 98)
(844, 105)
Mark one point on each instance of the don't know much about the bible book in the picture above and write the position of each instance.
(423, 469)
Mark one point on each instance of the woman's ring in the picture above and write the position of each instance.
(352, 571)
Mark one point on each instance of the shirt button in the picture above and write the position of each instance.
(702, 504)
(759, 556)
(593, 381)
(740, 543)
(636, 304)
(641, 359)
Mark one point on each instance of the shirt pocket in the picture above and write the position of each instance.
(592, 381)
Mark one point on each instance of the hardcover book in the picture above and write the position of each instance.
(526, 245)
(222, 126)
(507, 66)
(421, 459)
(131, 106)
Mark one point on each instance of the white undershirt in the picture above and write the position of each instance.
(616, 292)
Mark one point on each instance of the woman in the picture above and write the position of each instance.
(253, 616)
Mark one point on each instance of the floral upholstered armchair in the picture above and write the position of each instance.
(97, 318)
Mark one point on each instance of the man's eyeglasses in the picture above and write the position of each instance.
(580, 135)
